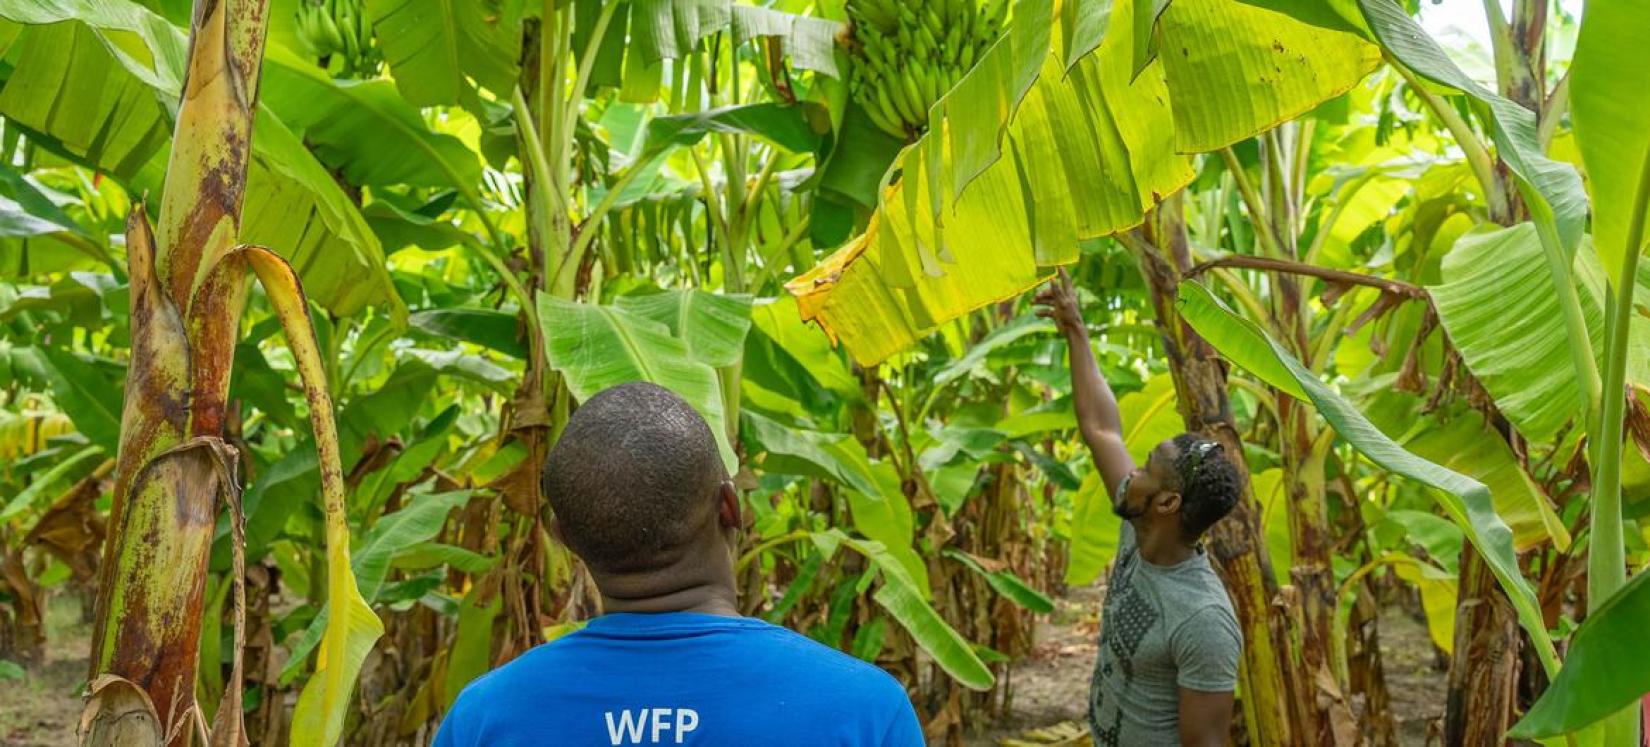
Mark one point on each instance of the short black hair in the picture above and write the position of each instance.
(632, 476)
(1209, 483)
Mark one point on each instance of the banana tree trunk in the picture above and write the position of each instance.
(1483, 676)
(1238, 544)
(172, 469)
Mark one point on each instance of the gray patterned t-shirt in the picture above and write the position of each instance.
(1163, 628)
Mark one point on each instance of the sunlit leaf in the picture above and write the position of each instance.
(1467, 501)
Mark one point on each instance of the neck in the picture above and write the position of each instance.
(1160, 543)
(696, 581)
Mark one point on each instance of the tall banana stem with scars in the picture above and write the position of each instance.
(188, 288)
(154, 569)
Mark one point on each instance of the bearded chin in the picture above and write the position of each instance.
(1121, 508)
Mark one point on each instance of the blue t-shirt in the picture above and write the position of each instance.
(683, 678)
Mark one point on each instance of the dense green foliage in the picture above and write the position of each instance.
(1412, 276)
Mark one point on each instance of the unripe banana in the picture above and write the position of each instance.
(908, 54)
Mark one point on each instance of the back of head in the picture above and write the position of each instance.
(633, 477)
(1209, 483)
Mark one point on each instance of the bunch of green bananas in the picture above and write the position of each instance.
(909, 52)
(338, 28)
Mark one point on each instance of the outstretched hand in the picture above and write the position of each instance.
(1059, 303)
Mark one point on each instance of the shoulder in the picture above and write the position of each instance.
(1212, 625)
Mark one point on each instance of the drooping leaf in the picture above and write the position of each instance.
(810, 42)
(1467, 501)
(1041, 151)
(352, 628)
(597, 347)
(904, 601)
(1005, 583)
(420, 519)
(670, 29)
(1235, 69)
(1604, 668)
(788, 450)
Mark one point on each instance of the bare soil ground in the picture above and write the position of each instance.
(41, 709)
(1048, 690)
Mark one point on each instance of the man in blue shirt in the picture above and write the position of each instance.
(640, 493)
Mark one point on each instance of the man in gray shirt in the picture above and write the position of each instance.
(1169, 642)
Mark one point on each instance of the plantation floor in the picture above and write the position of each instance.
(41, 709)
(1048, 690)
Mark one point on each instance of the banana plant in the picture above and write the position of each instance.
(173, 469)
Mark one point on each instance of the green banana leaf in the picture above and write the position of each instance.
(1464, 443)
(973, 362)
(418, 521)
(97, 82)
(86, 394)
(1495, 302)
(810, 42)
(1267, 486)
(495, 330)
(596, 347)
(1605, 668)
(799, 451)
(472, 647)
(1611, 118)
(1553, 187)
(904, 600)
(779, 321)
(712, 325)
(1004, 582)
(46, 484)
(1467, 501)
(794, 127)
(364, 127)
(434, 47)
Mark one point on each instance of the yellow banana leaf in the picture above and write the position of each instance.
(1012, 175)
(1236, 69)
(351, 627)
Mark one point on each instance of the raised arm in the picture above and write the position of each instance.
(1097, 415)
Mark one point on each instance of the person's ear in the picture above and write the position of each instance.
(1166, 503)
(727, 506)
